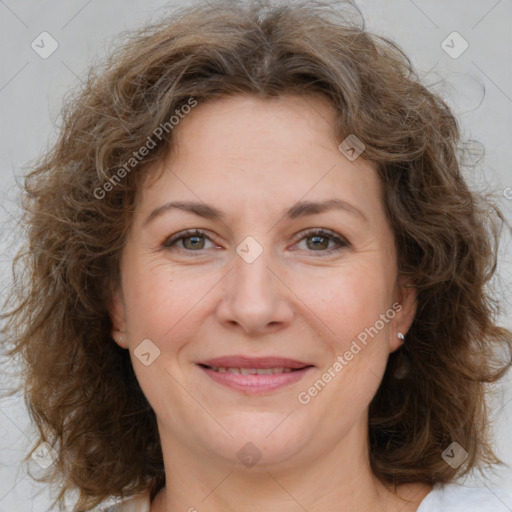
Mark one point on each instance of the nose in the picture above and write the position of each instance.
(255, 297)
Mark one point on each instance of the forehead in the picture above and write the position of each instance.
(260, 153)
(244, 128)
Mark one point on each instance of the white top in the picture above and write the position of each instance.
(442, 498)
(139, 503)
(457, 498)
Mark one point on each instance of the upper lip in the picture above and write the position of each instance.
(254, 362)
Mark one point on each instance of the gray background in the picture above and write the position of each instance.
(477, 85)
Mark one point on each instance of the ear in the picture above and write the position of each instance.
(116, 311)
(405, 306)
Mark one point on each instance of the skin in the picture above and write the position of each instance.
(252, 159)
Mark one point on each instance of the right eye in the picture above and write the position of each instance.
(192, 240)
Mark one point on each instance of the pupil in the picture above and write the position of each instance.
(315, 240)
(193, 240)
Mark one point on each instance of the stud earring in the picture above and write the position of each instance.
(400, 336)
(118, 336)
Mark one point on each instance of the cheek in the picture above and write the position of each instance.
(356, 348)
(161, 301)
(359, 310)
(349, 301)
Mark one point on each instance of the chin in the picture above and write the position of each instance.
(261, 441)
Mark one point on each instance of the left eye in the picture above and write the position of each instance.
(193, 241)
(320, 239)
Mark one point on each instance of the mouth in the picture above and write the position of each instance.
(255, 375)
(250, 371)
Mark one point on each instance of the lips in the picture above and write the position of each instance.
(254, 362)
(254, 375)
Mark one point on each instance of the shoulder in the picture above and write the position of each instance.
(458, 498)
(139, 503)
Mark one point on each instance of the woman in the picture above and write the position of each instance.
(257, 278)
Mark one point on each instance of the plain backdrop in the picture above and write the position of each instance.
(476, 83)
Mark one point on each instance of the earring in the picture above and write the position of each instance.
(400, 336)
(118, 336)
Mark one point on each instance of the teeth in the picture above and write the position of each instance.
(251, 371)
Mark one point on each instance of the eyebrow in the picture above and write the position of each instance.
(300, 209)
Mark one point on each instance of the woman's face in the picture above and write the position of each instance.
(257, 289)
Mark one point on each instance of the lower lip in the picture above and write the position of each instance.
(254, 384)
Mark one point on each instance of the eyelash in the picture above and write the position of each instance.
(341, 243)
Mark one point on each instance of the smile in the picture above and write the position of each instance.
(250, 371)
(255, 375)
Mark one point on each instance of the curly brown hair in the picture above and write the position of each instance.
(80, 387)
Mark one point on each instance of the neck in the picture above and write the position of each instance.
(339, 480)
